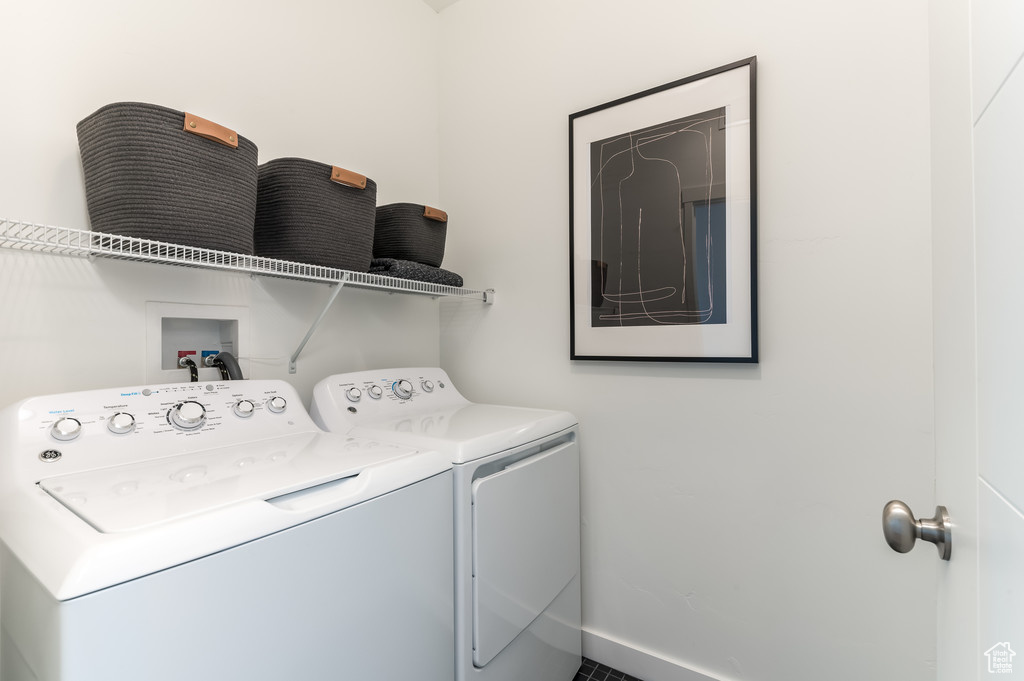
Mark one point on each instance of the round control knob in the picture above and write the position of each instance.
(353, 394)
(122, 422)
(428, 386)
(188, 415)
(402, 389)
(66, 428)
(375, 391)
(277, 404)
(244, 408)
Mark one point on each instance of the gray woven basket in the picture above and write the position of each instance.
(315, 213)
(147, 176)
(410, 231)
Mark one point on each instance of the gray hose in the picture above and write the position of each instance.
(228, 365)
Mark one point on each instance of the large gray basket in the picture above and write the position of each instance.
(410, 231)
(157, 173)
(315, 213)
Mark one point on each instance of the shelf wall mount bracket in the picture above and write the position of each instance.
(336, 289)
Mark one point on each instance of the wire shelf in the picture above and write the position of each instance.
(82, 243)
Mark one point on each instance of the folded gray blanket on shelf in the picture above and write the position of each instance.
(407, 269)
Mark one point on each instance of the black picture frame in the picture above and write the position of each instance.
(678, 284)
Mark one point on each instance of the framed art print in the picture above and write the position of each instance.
(663, 229)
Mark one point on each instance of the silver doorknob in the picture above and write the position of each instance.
(901, 530)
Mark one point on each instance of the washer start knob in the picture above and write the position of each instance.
(66, 428)
(402, 389)
(188, 415)
(277, 404)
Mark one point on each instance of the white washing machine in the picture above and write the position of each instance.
(212, 532)
(517, 519)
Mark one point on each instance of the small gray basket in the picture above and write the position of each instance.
(315, 213)
(156, 173)
(410, 231)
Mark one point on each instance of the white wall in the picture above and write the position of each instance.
(349, 83)
(731, 513)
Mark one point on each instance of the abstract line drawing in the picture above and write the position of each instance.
(663, 222)
(658, 224)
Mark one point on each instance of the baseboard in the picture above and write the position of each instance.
(635, 661)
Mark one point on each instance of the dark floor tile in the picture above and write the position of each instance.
(591, 670)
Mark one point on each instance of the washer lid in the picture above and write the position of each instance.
(137, 496)
(469, 432)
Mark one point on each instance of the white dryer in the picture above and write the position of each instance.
(517, 519)
(212, 532)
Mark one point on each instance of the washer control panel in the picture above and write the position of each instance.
(83, 430)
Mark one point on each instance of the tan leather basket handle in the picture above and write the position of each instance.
(210, 130)
(348, 178)
(435, 214)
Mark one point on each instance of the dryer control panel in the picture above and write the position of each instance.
(72, 432)
(420, 407)
(346, 400)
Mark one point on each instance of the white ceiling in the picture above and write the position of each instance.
(439, 5)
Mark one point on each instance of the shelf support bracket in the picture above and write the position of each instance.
(312, 329)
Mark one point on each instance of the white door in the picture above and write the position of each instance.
(998, 104)
(978, 147)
